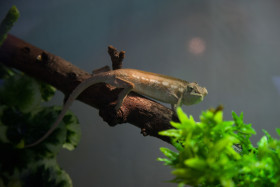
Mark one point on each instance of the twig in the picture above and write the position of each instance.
(116, 57)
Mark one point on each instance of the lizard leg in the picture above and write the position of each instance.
(127, 87)
(178, 104)
(175, 106)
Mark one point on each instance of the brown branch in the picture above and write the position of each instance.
(150, 116)
(116, 57)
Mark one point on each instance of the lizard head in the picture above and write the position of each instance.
(194, 94)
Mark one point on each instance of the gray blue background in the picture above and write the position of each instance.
(231, 47)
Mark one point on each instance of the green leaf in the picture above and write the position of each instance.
(218, 117)
(278, 131)
(182, 116)
(227, 141)
(73, 131)
(165, 160)
(179, 172)
(21, 92)
(8, 22)
(171, 133)
(196, 163)
(263, 142)
(176, 125)
(227, 182)
(5, 72)
(168, 153)
(46, 173)
(47, 91)
(269, 138)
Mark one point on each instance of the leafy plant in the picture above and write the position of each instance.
(206, 152)
(23, 120)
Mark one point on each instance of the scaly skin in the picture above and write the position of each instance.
(160, 87)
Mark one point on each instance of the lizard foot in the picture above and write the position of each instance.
(110, 115)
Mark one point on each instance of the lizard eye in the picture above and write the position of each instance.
(190, 89)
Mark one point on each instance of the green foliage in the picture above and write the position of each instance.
(8, 22)
(23, 120)
(206, 153)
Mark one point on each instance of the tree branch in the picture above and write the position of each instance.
(150, 116)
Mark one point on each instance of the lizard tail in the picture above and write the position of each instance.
(76, 92)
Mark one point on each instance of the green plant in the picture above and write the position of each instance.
(206, 156)
(24, 120)
(8, 22)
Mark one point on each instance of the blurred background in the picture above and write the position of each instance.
(230, 47)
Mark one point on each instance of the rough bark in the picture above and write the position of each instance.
(150, 116)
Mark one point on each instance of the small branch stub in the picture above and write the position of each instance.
(116, 57)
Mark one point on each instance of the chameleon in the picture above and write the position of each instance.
(156, 86)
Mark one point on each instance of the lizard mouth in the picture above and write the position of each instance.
(203, 91)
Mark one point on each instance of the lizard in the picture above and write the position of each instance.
(160, 87)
